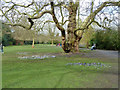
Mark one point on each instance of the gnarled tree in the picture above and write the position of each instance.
(71, 35)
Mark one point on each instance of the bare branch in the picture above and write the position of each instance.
(92, 6)
(101, 25)
(46, 22)
(65, 6)
(55, 19)
(5, 15)
(91, 17)
(41, 14)
(77, 3)
(61, 14)
(19, 5)
(59, 4)
(65, 22)
(24, 5)
(31, 22)
(40, 9)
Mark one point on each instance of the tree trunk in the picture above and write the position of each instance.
(33, 43)
(73, 43)
(52, 42)
(87, 45)
(77, 41)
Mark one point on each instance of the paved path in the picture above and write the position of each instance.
(106, 54)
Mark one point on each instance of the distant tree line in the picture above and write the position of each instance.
(8, 38)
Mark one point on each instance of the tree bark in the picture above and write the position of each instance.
(33, 43)
(72, 26)
(52, 42)
(87, 45)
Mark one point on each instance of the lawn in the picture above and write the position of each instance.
(51, 72)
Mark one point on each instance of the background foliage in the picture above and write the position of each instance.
(106, 39)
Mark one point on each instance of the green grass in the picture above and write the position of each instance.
(50, 72)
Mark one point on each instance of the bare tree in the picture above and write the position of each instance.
(67, 12)
(52, 33)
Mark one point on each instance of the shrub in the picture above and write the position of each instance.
(107, 39)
